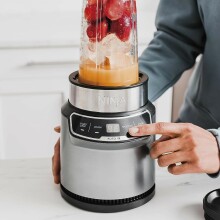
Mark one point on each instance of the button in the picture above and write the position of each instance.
(126, 127)
(97, 127)
(95, 130)
(83, 125)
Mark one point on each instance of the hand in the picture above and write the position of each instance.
(195, 148)
(56, 159)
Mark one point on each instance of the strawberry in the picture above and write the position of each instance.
(129, 8)
(93, 13)
(122, 27)
(99, 2)
(96, 32)
(91, 2)
(114, 9)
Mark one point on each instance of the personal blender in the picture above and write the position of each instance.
(103, 168)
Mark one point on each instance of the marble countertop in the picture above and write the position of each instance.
(27, 192)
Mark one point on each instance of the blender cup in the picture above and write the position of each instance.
(109, 55)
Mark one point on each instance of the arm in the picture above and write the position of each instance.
(179, 39)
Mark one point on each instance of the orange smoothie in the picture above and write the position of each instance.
(103, 75)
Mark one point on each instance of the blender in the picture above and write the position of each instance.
(103, 169)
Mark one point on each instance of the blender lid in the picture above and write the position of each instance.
(211, 205)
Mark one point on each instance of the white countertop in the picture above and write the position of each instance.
(27, 192)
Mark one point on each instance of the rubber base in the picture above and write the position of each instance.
(107, 206)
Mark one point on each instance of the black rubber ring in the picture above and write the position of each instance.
(106, 206)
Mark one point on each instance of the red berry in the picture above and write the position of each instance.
(91, 2)
(114, 9)
(93, 13)
(122, 27)
(96, 32)
(129, 7)
(99, 2)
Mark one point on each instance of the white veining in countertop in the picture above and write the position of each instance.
(27, 192)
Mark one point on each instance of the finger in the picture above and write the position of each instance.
(57, 179)
(162, 138)
(159, 148)
(170, 129)
(172, 158)
(52, 164)
(56, 164)
(56, 160)
(181, 169)
(56, 176)
(57, 129)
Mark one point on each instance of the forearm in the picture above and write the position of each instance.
(178, 41)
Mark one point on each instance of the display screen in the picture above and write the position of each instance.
(113, 128)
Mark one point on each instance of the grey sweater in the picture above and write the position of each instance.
(185, 29)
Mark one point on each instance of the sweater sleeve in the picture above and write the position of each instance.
(216, 134)
(179, 39)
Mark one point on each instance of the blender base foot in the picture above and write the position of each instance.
(107, 206)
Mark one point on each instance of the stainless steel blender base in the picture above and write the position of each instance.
(103, 168)
(107, 206)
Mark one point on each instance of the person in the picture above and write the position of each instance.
(185, 29)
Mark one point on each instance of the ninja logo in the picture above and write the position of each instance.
(111, 101)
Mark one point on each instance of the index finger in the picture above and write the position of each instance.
(163, 128)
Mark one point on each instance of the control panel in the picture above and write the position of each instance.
(107, 129)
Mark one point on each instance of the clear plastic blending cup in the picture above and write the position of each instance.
(109, 55)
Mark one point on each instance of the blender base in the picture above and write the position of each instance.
(107, 206)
